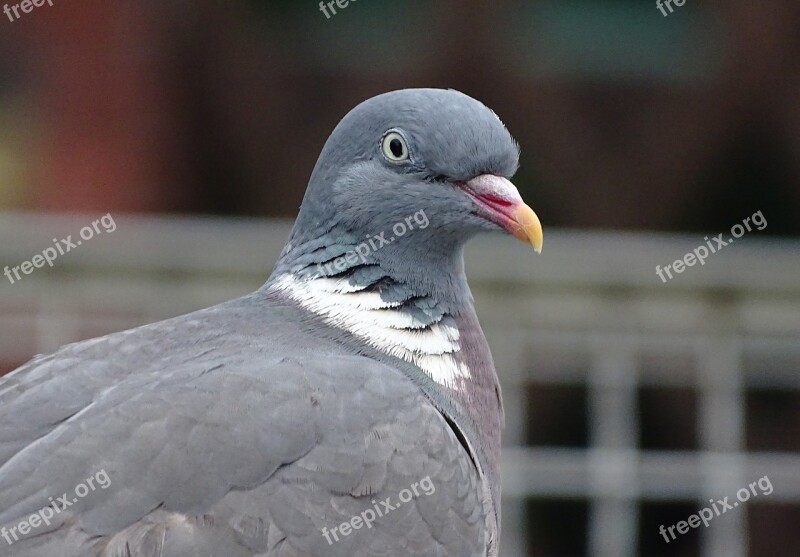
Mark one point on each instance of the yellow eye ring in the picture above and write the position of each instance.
(394, 147)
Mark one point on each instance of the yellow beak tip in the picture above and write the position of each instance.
(530, 228)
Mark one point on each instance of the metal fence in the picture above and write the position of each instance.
(631, 403)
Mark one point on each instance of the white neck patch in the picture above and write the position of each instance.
(393, 331)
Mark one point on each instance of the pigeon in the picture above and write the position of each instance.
(348, 407)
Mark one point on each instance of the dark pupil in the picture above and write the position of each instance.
(396, 148)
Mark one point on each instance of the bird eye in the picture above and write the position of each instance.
(394, 147)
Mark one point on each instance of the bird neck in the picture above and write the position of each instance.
(406, 306)
(414, 312)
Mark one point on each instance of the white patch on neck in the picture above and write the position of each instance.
(375, 321)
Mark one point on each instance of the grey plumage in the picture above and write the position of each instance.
(247, 428)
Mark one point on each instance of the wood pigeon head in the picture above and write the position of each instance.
(433, 164)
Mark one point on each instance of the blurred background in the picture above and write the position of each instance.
(631, 402)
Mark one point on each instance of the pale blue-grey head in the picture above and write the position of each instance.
(439, 155)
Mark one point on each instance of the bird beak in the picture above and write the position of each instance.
(528, 229)
(499, 201)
